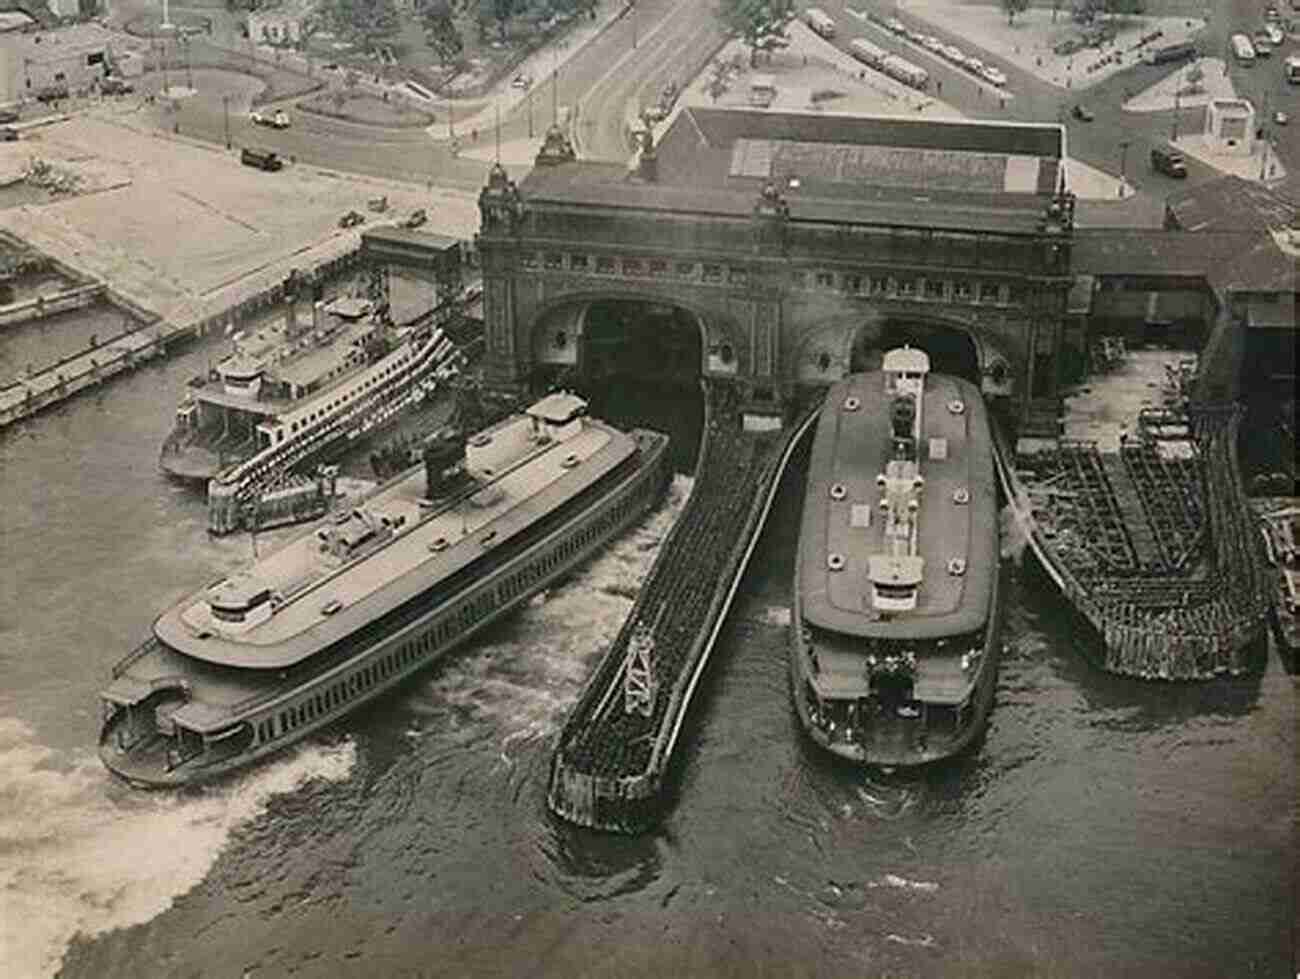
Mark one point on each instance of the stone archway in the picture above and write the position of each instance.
(953, 347)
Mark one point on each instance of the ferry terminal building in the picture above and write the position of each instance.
(802, 243)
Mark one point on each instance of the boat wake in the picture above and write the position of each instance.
(1013, 536)
(522, 676)
(84, 854)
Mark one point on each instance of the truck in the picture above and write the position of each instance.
(820, 21)
(905, 72)
(261, 159)
(1170, 52)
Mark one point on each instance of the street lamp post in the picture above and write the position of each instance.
(189, 75)
(530, 113)
(632, 4)
(1173, 133)
(1123, 161)
(225, 106)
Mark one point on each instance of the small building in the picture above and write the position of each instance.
(285, 23)
(1230, 126)
(74, 59)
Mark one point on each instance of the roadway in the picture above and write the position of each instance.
(1116, 141)
(627, 64)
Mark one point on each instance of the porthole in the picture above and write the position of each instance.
(835, 562)
(956, 406)
(838, 492)
(852, 404)
(957, 567)
(961, 495)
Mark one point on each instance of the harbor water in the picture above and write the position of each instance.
(1104, 828)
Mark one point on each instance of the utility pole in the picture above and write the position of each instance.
(225, 106)
(530, 112)
(632, 4)
(189, 75)
(1173, 133)
(1123, 160)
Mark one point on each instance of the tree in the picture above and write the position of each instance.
(499, 10)
(1013, 7)
(441, 30)
(1195, 76)
(760, 24)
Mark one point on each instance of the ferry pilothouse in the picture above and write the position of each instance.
(264, 657)
(896, 612)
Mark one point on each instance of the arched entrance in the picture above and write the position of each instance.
(637, 362)
(952, 349)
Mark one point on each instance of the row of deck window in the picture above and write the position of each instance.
(347, 396)
(438, 634)
(853, 283)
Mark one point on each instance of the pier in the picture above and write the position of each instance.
(609, 768)
(163, 312)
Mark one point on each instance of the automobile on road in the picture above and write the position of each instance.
(276, 120)
(352, 219)
(521, 81)
(416, 219)
(896, 25)
(932, 43)
(994, 76)
(1082, 113)
(1280, 118)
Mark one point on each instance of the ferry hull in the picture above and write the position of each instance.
(890, 741)
(276, 711)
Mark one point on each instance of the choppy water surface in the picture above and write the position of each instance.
(1104, 828)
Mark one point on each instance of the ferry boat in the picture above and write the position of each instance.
(262, 658)
(290, 380)
(895, 625)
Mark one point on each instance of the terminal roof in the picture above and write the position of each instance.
(855, 169)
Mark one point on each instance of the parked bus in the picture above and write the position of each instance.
(819, 21)
(1242, 49)
(1170, 52)
(905, 72)
(1292, 67)
(868, 53)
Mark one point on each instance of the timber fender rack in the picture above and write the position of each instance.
(609, 766)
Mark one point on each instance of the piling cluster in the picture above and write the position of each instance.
(1159, 553)
(611, 758)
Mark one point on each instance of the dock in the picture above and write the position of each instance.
(609, 768)
(164, 312)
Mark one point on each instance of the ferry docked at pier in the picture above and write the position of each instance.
(287, 383)
(895, 626)
(262, 658)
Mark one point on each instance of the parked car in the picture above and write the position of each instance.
(276, 120)
(896, 25)
(1169, 161)
(112, 85)
(1082, 113)
(1263, 43)
(352, 219)
(262, 159)
(1275, 35)
(994, 76)
(1280, 118)
(521, 81)
(953, 53)
(1272, 13)
(932, 43)
(975, 65)
(416, 219)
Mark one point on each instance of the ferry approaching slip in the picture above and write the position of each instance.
(895, 624)
(261, 659)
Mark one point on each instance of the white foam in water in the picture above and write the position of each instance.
(1014, 536)
(77, 857)
(777, 615)
(524, 684)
